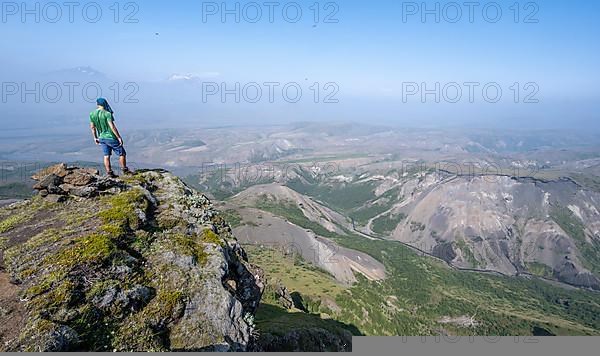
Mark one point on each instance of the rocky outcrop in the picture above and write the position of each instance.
(141, 263)
(283, 296)
(56, 182)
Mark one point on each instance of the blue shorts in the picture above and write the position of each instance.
(110, 145)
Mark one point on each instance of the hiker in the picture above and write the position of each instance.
(106, 134)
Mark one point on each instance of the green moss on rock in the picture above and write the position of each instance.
(166, 221)
(137, 179)
(122, 212)
(146, 330)
(210, 237)
(45, 285)
(60, 293)
(3, 243)
(142, 240)
(190, 246)
(13, 221)
(93, 249)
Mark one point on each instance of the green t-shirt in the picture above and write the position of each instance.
(100, 119)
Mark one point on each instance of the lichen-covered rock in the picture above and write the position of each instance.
(83, 192)
(75, 182)
(79, 178)
(141, 263)
(51, 180)
(59, 170)
(55, 337)
(282, 296)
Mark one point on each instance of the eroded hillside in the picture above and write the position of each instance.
(420, 295)
(546, 227)
(508, 225)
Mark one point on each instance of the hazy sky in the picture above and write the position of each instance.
(373, 51)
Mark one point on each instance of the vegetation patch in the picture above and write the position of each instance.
(539, 269)
(311, 289)
(296, 274)
(208, 236)
(426, 290)
(590, 252)
(13, 221)
(63, 272)
(342, 196)
(147, 330)
(274, 320)
(293, 214)
(138, 179)
(124, 211)
(166, 221)
(467, 253)
(416, 226)
(190, 246)
(58, 292)
(94, 249)
(233, 218)
(386, 224)
(369, 210)
(589, 181)
(142, 240)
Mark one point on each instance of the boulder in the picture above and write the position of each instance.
(91, 171)
(283, 296)
(135, 298)
(83, 192)
(79, 178)
(48, 181)
(49, 185)
(106, 183)
(53, 189)
(79, 182)
(55, 338)
(67, 188)
(59, 170)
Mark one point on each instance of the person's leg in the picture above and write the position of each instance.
(107, 164)
(123, 162)
(107, 150)
(122, 159)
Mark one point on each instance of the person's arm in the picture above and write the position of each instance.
(114, 129)
(94, 133)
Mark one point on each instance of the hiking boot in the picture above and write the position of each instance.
(111, 174)
(127, 172)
